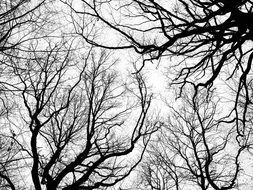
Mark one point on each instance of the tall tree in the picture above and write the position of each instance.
(196, 149)
(73, 125)
(211, 39)
(17, 21)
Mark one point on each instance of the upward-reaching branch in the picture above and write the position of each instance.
(211, 39)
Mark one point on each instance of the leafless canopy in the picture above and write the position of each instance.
(73, 130)
(69, 122)
(211, 39)
(194, 150)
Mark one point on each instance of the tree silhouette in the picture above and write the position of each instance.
(194, 150)
(211, 39)
(73, 124)
(69, 122)
(16, 20)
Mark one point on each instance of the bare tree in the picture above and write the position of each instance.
(211, 39)
(196, 149)
(75, 126)
(18, 19)
(158, 171)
